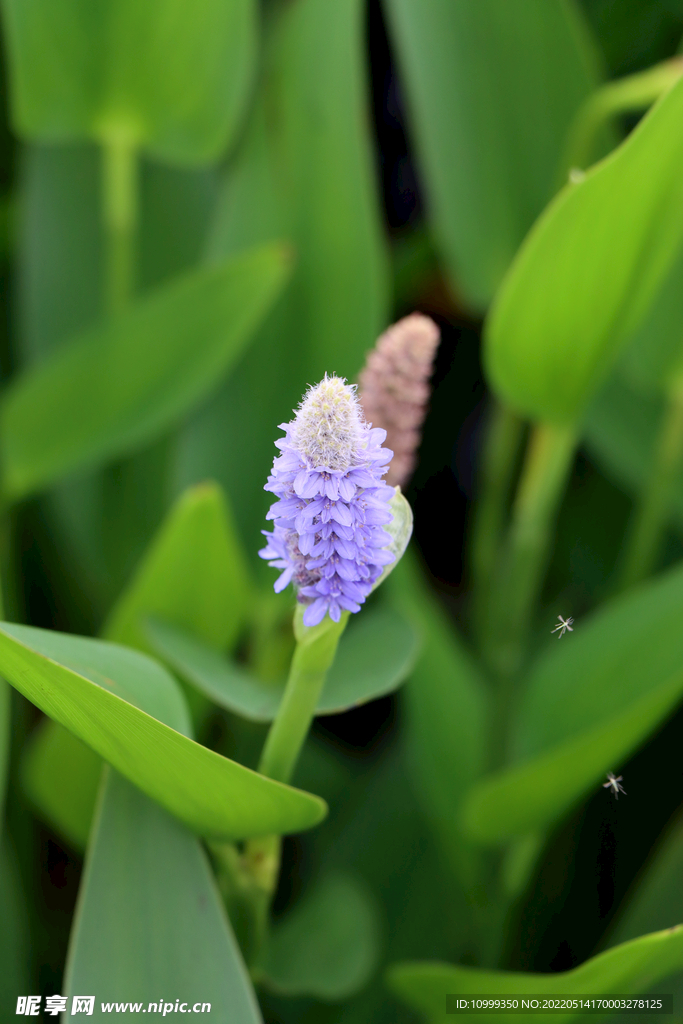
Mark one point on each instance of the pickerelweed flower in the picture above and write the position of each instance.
(332, 503)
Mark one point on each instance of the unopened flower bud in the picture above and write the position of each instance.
(394, 388)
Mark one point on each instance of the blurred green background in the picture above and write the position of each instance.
(399, 152)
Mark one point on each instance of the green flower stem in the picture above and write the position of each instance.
(645, 540)
(119, 215)
(501, 445)
(625, 95)
(313, 656)
(546, 468)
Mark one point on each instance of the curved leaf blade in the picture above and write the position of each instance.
(182, 946)
(114, 387)
(210, 794)
(630, 967)
(559, 322)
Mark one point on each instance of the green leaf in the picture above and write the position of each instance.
(107, 695)
(586, 705)
(491, 91)
(120, 385)
(559, 321)
(193, 574)
(328, 946)
(180, 946)
(447, 712)
(628, 968)
(375, 655)
(61, 777)
(171, 80)
(305, 172)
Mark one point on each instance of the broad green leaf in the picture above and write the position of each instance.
(375, 655)
(559, 320)
(120, 385)
(628, 968)
(585, 707)
(447, 711)
(107, 695)
(328, 945)
(149, 924)
(168, 79)
(305, 172)
(61, 777)
(491, 89)
(193, 574)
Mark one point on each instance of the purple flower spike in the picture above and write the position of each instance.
(328, 535)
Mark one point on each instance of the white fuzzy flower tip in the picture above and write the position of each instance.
(329, 428)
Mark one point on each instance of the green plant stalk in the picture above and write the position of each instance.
(314, 653)
(646, 536)
(119, 217)
(501, 445)
(522, 567)
(623, 96)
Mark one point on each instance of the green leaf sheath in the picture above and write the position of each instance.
(559, 322)
(630, 968)
(174, 81)
(523, 559)
(583, 709)
(120, 216)
(313, 655)
(210, 794)
(491, 89)
(119, 386)
(149, 922)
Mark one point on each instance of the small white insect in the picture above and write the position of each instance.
(563, 625)
(613, 783)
